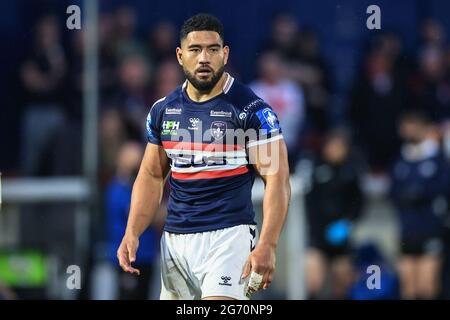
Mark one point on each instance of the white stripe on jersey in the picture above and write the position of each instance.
(260, 142)
(159, 100)
(228, 154)
(228, 84)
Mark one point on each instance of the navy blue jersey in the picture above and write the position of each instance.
(211, 176)
(418, 188)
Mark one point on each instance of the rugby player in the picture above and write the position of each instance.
(210, 137)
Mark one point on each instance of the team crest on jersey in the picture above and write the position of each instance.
(270, 118)
(218, 129)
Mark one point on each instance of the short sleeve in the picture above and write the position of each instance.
(265, 125)
(153, 133)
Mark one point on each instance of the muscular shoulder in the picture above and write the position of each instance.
(244, 99)
(161, 104)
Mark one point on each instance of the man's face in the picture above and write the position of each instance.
(412, 131)
(203, 58)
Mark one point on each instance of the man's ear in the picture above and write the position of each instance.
(226, 52)
(179, 54)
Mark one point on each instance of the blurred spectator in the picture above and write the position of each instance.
(125, 38)
(43, 74)
(108, 75)
(446, 259)
(333, 204)
(432, 34)
(122, 119)
(108, 78)
(390, 44)
(163, 41)
(283, 95)
(133, 96)
(366, 257)
(167, 77)
(308, 68)
(430, 88)
(118, 198)
(112, 136)
(283, 35)
(420, 184)
(377, 100)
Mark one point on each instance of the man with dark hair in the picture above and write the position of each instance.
(214, 135)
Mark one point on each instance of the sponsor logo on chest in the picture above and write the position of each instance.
(226, 114)
(170, 127)
(173, 110)
(194, 123)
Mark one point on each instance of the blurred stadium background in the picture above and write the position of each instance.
(72, 134)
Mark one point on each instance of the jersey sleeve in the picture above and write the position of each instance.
(152, 126)
(264, 124)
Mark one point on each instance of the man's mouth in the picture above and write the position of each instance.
(204, 72)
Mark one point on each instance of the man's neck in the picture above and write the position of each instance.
(199, 96)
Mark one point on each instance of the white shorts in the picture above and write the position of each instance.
(199, 265)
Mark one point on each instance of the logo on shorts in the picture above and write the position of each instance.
(225, 280)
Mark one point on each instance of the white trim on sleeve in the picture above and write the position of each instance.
(260, 142)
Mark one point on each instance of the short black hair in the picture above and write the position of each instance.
(201, 22)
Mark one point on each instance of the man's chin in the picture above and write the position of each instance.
(203, 85)
(205, 80)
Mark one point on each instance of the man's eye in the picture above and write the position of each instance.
(195, 50)
(214, 50)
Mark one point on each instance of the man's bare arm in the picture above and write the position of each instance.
(272, 164)
(145, 200)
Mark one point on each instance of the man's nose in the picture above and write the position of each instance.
(204, 57)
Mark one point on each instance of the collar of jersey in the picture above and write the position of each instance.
(226, 87)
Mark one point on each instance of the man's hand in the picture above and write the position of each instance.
(262, 262)
(127, 253)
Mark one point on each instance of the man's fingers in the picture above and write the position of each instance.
(267, 281)
(131, 253)
(123, 261)
(247, 269)
(134, 270)
(127, 255)
(125, 264)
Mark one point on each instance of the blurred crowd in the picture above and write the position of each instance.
(393, 143)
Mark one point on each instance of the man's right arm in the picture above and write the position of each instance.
(145, 200)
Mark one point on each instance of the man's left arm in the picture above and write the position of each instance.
(270, 161)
